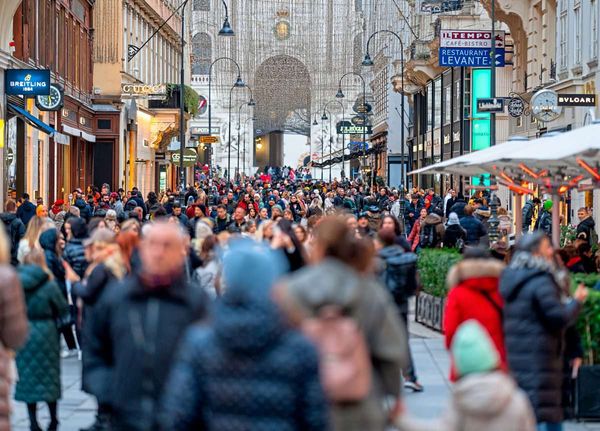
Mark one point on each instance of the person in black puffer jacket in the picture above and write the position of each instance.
(263, 375)
(14, 228)
(74, 252)
(535, 319)
(48, 242)
(455, 235)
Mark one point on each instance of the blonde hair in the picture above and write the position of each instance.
(5, 255)
(37, 225)
(113, 259)
(37, 257)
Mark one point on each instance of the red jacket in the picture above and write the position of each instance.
(468, 281)
(415, 235)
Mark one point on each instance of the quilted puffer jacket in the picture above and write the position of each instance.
(45, 303)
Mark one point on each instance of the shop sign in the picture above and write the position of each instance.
(209, 139)
(480, 124)
(202, 105)
(456, 136)
(516, 107)
(470, 57)
(198, 131)
(189, 157)
(577, 100)
(362, 108)
(151, 92)
(470, 39)
(446, 139)
(347, 128)
(488, 104)
(360, 120)
(160, 157)
(27, 82)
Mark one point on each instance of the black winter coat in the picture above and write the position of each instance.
(528, 210)
(74, 254)
(249, 371)
(587, 226)
(90, 291)
(133, 336)
(458, 208)
(475, 229)
(48, 241)
(26, 212)
(534, 324)
(452, 234)
(15, 230)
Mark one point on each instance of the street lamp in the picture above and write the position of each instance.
(340, 95)
(238, 83)
(367, 61)
(226, 30)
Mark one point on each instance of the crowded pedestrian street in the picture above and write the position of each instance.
(299, 215)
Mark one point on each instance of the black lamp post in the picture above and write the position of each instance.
(233, 87)
(340, 95)
(369, 62)
(239, 82)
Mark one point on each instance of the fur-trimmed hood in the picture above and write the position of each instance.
(474, 268)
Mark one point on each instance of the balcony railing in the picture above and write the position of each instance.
(199, 80)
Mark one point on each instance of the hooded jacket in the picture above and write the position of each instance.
(26, 212)
(486, 401)
(436, 221)
(473, 285)
(334, 283)
(261, 375)
(48, 240)
(586, 226)
(74, 252)
(534, 322)
(16, 231)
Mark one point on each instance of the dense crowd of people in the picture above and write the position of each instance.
(282, 305)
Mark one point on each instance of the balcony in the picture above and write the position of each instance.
(199, 80)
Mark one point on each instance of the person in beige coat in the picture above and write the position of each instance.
(339, 277)
(13, 328)
(483, 398)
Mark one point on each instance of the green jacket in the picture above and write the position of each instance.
(38, 362)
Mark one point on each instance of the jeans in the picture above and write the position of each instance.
(550, 426)
(410, 372)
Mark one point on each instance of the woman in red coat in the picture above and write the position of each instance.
(415, 234)
(473, 294)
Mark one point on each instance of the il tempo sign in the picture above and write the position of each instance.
(470, 39)
(27, 82)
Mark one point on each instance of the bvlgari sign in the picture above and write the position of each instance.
(577, 100)
(489, 104)
(158, 91)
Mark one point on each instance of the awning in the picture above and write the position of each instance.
(79, 133)
(32, 120)
(88, 137)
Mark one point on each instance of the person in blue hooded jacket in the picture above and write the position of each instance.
(249, 370)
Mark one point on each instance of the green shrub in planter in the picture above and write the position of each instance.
(588, 324)
(433, 266)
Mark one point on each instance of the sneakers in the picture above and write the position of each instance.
(414, 386)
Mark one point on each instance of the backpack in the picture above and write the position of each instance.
(428, 236)
(344, 359)
(400, 276)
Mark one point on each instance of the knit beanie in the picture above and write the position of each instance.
(473, 350)
(548, 205)
(453, 219)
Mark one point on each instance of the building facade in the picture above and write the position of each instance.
(138, 127)
(55, 35)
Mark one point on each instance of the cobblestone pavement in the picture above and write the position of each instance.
(76, 409)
